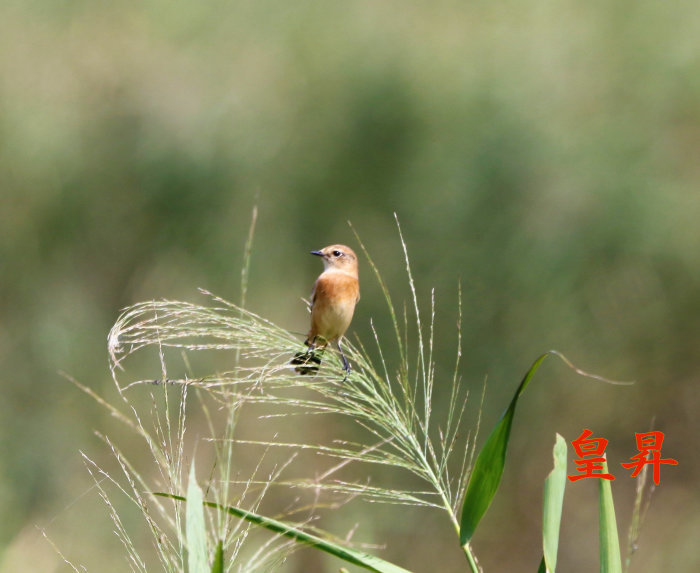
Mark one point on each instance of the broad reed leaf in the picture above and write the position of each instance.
(488, 467)
(350, 555)
(553, 501)
(610, 561)
(195, 531)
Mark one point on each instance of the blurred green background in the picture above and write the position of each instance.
(544, 154)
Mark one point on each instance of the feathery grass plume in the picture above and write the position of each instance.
(157, 413)
(165, 519)
(393, 403)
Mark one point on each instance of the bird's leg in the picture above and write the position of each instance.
(346, 365)
(311, 352)
(311, 344)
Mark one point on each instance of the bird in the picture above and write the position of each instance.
(333, 299)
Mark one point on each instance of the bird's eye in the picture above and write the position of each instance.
(337, 253)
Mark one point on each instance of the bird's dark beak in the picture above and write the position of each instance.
(317, 253)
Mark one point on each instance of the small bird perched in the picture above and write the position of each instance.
(333, 299)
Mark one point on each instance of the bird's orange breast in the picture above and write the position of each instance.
(335, 296)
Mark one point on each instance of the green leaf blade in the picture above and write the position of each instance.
(610, 560)
(195, 530)
(553, 502)
(218, 565)
(488, 467)
(350, 555)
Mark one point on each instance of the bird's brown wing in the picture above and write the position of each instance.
(313, 295)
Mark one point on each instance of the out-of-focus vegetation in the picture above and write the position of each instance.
(545, 155)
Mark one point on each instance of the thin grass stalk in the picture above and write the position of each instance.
(231, 419)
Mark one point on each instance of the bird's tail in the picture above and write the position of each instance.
(307, 362)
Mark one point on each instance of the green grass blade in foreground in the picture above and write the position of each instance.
(218, 565)
(488, 468)
(553, 501)
(197, 558)
(350, 555)
(610, 561)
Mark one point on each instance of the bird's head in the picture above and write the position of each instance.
(338, 257)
